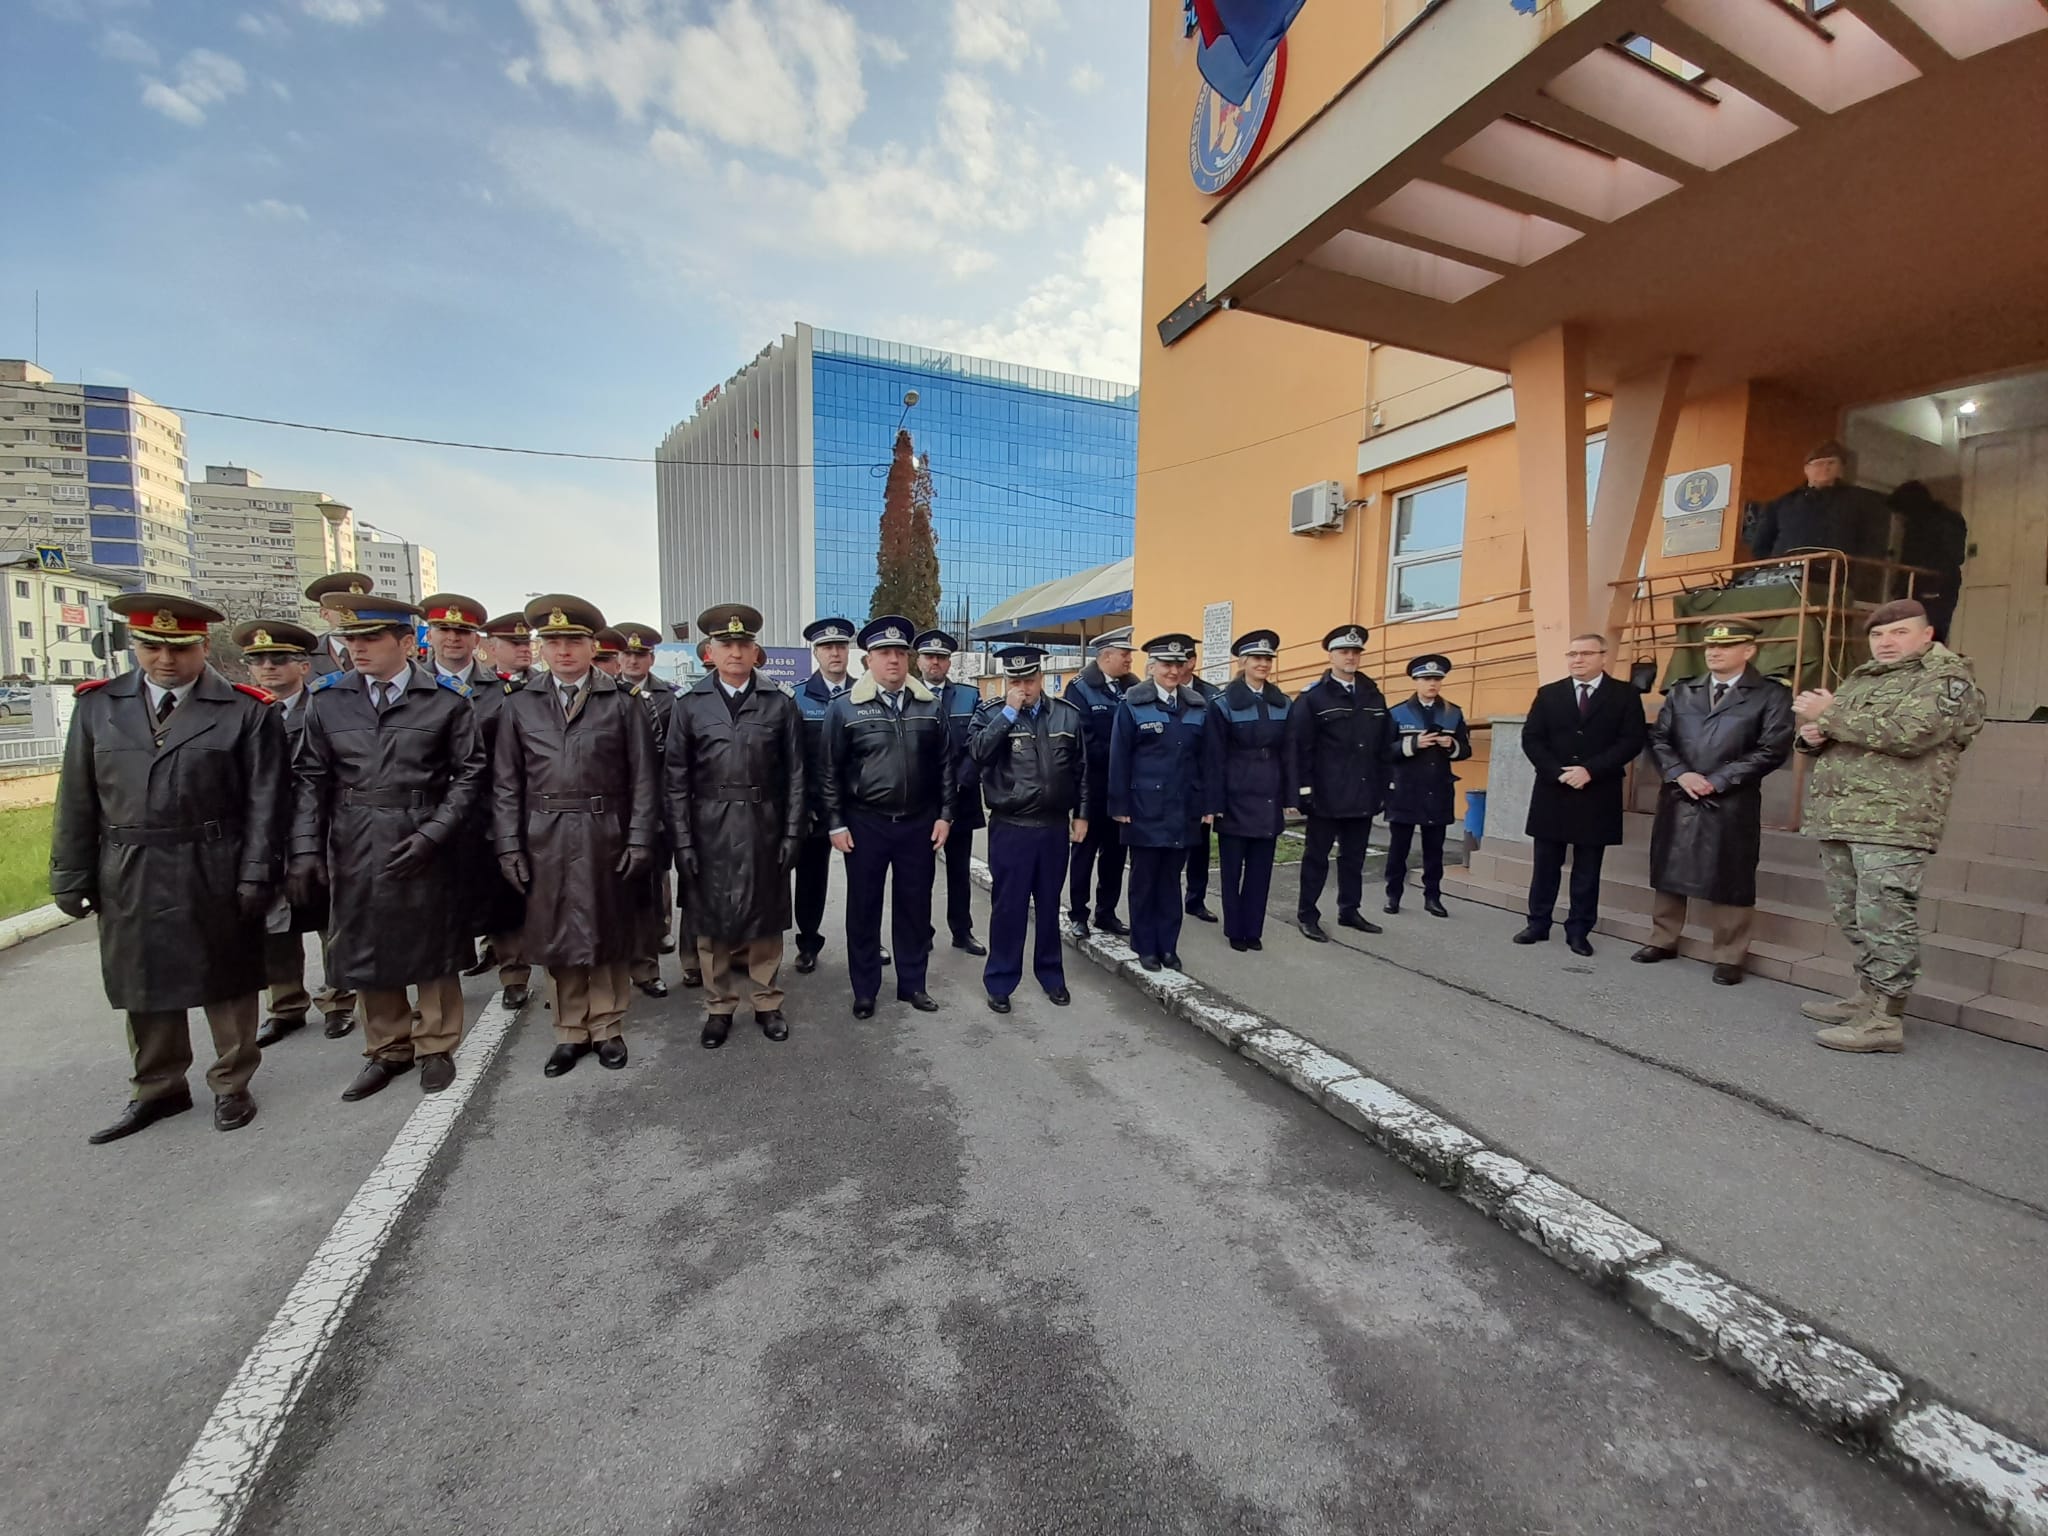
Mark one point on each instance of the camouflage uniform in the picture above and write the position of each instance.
(1878, 801)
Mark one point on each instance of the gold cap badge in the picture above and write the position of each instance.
(260, 638)
(557, 618)
(164, 620)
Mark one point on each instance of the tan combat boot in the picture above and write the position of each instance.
(1841, 1010)
(1882, 1028)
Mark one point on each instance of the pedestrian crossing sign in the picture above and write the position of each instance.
(51, 558)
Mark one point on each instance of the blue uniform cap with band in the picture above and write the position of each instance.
(891, 629)
(1430, 666)
(936, 642)
(1171, 648)
(1259, 642)
(1115, 640)
(833, 631)
(1020, 661)
(1346, 637)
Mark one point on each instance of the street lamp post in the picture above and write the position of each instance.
(413, 579)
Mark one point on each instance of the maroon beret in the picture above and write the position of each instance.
(1894, 612)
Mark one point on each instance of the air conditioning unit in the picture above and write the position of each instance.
(1316, 508)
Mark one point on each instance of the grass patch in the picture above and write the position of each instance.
(25, 859)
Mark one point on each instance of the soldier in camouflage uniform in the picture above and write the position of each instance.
(1885, 750)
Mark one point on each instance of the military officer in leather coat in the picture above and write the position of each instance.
(508, 646)
(638, 646)
(170, 825)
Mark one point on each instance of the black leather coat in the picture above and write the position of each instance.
(1709, 848)
(1033, 770)
(1336, 748)
(573, 796)
(1244, 769)
(365, 783)
(885, 764)
(310, 917)
(159, 837)
(490, 905)
(735, 788)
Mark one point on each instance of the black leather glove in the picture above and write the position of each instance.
(791, 846)
(307, 875)
(254, 897)
(411, 856)
(687, 865)
(635, 862)
(517, 872)
(76, 903)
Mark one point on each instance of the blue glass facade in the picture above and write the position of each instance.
(1034, 471)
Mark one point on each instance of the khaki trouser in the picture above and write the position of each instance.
(331, 999)
(1730, 926)
(590, 1001)
(284, 967)
(394, 1030)
(160, 1046)
(760, 958)
(513, 971)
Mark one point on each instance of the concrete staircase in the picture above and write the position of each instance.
(1983, 911)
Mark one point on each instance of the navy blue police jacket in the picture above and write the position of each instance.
(1422, 790)
(1336, 748)
(1097, 698)
(1244, 760)
(813, 697)
(958, 703)
(1155, 769)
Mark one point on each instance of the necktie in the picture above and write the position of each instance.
(1720, 693)
(380, 695)
(1585, 697)
(163, 709)
(571, 697)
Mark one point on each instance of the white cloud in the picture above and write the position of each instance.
(203, 79)
(678, 150)
(885, 49)
(519, 71)
(278, 89)
(124, 47)
(1001, 32)
(343, 13)
(1086, 80)
(263, 25)
(270, 211)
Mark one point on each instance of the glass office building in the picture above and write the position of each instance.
(772, 492)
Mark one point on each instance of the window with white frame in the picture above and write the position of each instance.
(1426, 554)
(21, 589)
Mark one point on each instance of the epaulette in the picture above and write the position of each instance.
(512, 687)
(454, 685)
(637, 690)
(327, 682)
(260, 695)
(91, 683)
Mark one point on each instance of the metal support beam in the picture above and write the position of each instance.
(1728, 68)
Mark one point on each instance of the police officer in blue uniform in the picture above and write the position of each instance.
(1244, 784)
(1097, 691)
(888, 804)
(1422, 792)
(831, 642)
(1337, 735)
(1155, 785)
(1198, 855)
(957, 702)
(1033, 762)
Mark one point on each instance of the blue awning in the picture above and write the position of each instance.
(1066, 610)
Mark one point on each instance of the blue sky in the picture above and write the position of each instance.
(552, 223)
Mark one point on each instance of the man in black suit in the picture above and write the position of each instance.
(1582, 733)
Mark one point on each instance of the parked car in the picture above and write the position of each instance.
(14, 703)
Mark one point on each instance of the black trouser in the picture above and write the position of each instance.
(1104, 849)
(1351, 835)
(1198, 871)
(1156, 908)
(813, 875)
(959, 853)
(1024, 865)
(1247, 882)
(1543, 882)
(1399, 835)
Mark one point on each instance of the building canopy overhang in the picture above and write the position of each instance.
(1849, 205)
(1064, 611)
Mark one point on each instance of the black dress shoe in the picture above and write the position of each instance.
(693, 977)
(1059, 997)
(1392, 908)
(773, 1025)
(339, 1024)
(141, 1114)
(1312, 931)
(668, 946)
(1727, 975)
(971, 944)
(563, 1058)
(1255, 944)
(1577, 944)
(275, 1029)
(1200, 912)
(1239, 945)
(232, 1111)
(998, 1004)
(806, 962)
(484, 961)
(1533, 935)
(1111, 926)
(612, 1053)
(1434, 907)
(437, 1071)
(1354, 920)
(1172, 962)
(517, 998)
(863, 1007)
(923, 1002)
(1149, 962)
(716, 1027)
(1650, 954)
(374, 1078)
(654, 988)
(1077, 926)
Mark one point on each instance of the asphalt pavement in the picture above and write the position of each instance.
(1070, 1270)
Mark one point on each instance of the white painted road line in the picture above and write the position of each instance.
(220, 1472)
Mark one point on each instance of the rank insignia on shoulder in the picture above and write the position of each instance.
(327, 682)
(260, 695)
(91, 683)
(454, 685)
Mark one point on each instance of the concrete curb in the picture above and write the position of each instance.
(32, 924)
(2001, 1481)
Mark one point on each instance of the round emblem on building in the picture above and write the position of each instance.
(1225, 139)
(1698, 490)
